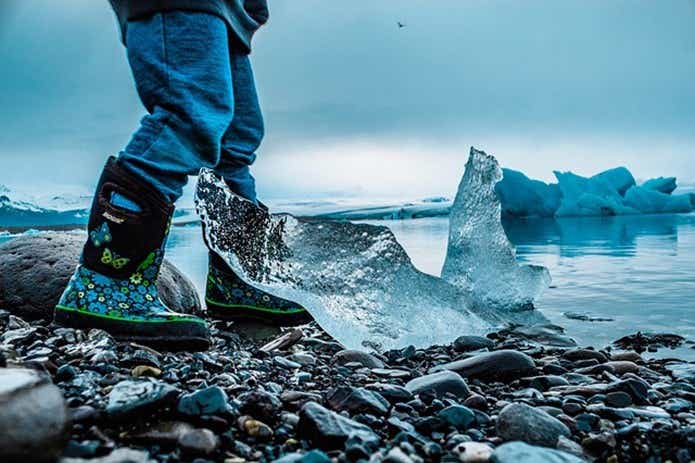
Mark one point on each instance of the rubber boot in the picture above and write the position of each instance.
(228, 296)
(114, 286)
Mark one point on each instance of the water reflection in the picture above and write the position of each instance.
(614, 235)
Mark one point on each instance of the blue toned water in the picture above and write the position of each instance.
(637, 270)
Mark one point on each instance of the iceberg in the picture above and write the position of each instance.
(357, 280)
(665, 185)
(597, 195)
(619, 179)
(609, 193)
(521, 196)
(649, 201)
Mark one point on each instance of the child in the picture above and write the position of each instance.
(189, 60)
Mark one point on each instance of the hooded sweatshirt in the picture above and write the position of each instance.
(243, 17)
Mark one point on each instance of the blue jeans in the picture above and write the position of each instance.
(201, 99)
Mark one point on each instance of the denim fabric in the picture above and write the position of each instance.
(201, 100)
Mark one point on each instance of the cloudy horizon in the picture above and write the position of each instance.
(356, 106)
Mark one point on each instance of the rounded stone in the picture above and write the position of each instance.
(199, 441)
(497, 365)
(441, 383)
(357, 356)
(468, 343)
(521, 422)
(34, 271)
(34, 418)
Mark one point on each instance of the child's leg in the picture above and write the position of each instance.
(244, 135)
(181, 65)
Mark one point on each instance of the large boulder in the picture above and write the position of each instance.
(33, 416)
(34, 271)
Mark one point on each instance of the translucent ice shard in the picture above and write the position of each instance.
(480, 260)
(356, 279)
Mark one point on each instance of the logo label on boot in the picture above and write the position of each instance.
(108, 216)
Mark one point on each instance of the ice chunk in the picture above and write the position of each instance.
(480, 259)
(523, 197)
(593, 196)
(654, 202)
(356, 279)
(665, 185)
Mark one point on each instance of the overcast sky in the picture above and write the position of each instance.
(356, 106)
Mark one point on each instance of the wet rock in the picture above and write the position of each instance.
(543, 383)
(641, 342)
(473, 452)
(519, 452)
(575, 355)
(682, 371)
(286, 363)
(519, 421)
(285, 341)
(328, 430)
(122, 455)
(638, 390)
(166, 433)
(260, 404)
(364, 359)
(547, 335)
(146, 371)
(209, 401)
(440, 383)
(628, 356)
(457, 416)
(313, 456)
(255, 428)
(585, 317)
(357, 400)
(391, 392)
(33, 416)
(133, 397)
(34, 271)
(497, 365)
(677, 405)
(618, 399)
(303, 359)
(199, 442)
(470, 343)
(620, 367)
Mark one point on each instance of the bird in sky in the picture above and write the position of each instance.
(400, 24)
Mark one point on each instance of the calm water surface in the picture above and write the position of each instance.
(639, 271)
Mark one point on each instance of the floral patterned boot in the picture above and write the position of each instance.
(114, 287)
(228, 297)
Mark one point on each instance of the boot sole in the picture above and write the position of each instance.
(167, 335)
(237, 312)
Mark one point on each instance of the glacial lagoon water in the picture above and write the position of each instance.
(637, 270)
